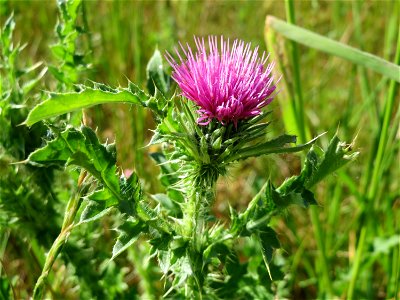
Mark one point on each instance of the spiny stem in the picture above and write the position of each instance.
(200, 196)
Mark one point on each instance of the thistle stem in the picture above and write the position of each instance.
(200, 197)
(197, 206)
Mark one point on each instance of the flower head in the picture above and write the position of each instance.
(228, 82)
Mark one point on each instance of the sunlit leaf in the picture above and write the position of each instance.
(81, 148)
(59, 104)
(337, 155)
(157, 79)
(277, 145)
(128, 232)
(93, 211)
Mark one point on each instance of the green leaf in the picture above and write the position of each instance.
(103, 195)
(94, 211)
(324, 44)
(157, 79)
(83, 149)
(160, 243)
(169, 170)
(131, 194)
(216, 249)
(7, 33)
(182, 269)
(178, 242)
(129, 233)
(164, 260)
(276, 145)
(317, 166)
(168, 204)
(268, 242)
(337, 155)
(137, 214)
(59, 104)
(97, 204)
(297, 194)
(295, 190)
(268, 237)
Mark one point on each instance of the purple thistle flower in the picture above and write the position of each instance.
(228, 83)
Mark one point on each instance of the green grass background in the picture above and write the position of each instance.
(322, 249)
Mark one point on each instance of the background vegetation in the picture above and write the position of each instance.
(347, 246)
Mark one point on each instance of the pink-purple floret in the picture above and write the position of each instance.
(228, 82)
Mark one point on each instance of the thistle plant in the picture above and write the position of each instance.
(216, 118)
(227, 86)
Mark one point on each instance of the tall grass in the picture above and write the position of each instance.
(377, 172)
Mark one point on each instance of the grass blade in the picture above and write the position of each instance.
(319, 42)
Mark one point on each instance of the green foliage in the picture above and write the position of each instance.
(6, 291)
(31, 197)
(73, 147)
(317, 166)
(122, 240)
(157, 80)
(25, 196)
(202, 153)
(129, 233)
(81, 148)
(71, 62)
(276, 145)
(59, 104)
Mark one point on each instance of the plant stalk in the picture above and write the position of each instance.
(294, 51)
(69, 216)
(201, 195)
